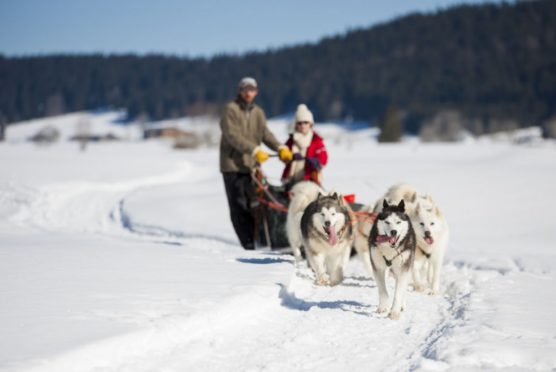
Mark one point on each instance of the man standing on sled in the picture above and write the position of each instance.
(244, 128)
(309, 153)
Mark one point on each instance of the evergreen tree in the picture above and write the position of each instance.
(391, 126)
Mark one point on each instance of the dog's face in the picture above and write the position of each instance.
(427, 223)
(392, 223)
(329, 217)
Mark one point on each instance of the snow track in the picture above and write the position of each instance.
(86, 206)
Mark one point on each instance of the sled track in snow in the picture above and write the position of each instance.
(123, 219)
(97, 207)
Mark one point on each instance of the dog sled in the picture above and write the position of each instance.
(272, 210)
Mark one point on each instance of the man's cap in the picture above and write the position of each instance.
(247, 82)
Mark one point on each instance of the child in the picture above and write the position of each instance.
(309, 153)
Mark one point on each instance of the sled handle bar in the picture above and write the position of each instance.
(276, 155)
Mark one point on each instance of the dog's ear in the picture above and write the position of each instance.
(340, 199)
(418, 208)
(385, 204)
(319, 196)
(401, 206)
(413, 197)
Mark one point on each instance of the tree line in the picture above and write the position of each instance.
(488, 62)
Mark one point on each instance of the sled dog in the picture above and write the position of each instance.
(392, 247)
(327, 236)
(406, 192)
(393, 196)
(303, 194)
(362, 229)
(432, 235)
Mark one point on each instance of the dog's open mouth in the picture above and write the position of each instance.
(331, 233)
(429, 240)
(387, 239)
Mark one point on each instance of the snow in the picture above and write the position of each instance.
(122, 258)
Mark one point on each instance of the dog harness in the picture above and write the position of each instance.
(389, 262)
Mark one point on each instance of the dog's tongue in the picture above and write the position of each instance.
(429, 239)
(384, 239)
(332, 237)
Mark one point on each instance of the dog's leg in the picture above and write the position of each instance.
(417, 271)
(362, 248)
(346, 256)
(320, 269)
(336, 271)
(399, 295)
(436, 267)
(337, 265)
(380, 278)
(294, 235)
(363, 253)
(366, 258)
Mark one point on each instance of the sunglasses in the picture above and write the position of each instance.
(302, 122)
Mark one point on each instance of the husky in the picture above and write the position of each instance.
(327, 235)
(431, 230)
(392, 246)
(406, 192)
(363, 225)
(303, 194)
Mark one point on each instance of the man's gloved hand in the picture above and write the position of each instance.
(261, 156)
(297, 156)
(315, 163)
(285, 154)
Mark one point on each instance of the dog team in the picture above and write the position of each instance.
(408, 238)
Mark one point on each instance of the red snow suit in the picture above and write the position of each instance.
(315, 150)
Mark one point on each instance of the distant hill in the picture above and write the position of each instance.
(489, 62)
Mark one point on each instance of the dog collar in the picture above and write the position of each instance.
(427, 255)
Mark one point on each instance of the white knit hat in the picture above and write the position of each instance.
(247, 82)
(303, 114)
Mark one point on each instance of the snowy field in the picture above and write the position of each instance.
(123, 258)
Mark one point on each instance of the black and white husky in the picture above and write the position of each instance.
(392, 246)
(327, 235)
(431, 231)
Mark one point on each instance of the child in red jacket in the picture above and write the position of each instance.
(309, 153)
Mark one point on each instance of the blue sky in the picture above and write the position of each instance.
(186, 28)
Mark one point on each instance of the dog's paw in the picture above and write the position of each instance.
(434, 292)
(394, 315)
(381, 309)
(323, 280)
(418, 288)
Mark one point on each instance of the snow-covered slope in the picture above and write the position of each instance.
(122, 258)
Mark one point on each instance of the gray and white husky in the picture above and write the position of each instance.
(327, 235)
(392, 246)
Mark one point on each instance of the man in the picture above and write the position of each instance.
(243, 129)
